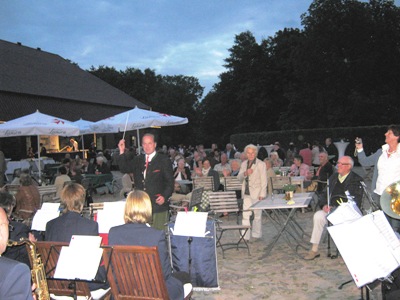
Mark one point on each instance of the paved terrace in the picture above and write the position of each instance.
(282, 275)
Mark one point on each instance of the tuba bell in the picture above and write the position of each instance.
(390, 200)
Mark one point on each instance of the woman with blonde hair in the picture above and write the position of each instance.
(137, 231)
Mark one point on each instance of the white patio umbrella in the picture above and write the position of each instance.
(136, 119)
(84, 128)
(38, 124)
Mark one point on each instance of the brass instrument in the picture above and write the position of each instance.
(390, 200)
(38, 273)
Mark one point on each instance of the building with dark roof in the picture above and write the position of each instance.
(32, 79)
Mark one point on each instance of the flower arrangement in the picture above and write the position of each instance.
(289, 187)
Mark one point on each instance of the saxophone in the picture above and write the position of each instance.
(38, 272)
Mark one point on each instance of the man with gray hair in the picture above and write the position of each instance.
(344, 180)
(229, 151)
(253, 175)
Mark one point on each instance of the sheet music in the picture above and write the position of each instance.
(345, 212)
(75, 263)
(48, 212)
(111, 215)
(190, 224)
(368, 246)
(81, 259)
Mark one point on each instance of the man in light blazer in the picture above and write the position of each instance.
(253, 175)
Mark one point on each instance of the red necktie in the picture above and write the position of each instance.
(147, 161)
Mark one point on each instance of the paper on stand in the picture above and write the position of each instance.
(345, 212)
(48, 212)
(368, 246)
(190, 224)
(111, 215)
(81, 259)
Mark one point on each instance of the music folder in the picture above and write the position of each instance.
(81, 259)
(369, 247)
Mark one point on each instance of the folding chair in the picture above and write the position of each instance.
(135, 272)
(222, 202)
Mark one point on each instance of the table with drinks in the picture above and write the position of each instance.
(282, 214)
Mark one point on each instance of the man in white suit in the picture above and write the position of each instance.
(253, 175)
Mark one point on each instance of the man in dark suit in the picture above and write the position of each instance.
(15, 277)
(344, 180)
(153, 174)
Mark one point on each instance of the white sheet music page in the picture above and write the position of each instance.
(48, 212)
(345, 212)
(368, 246)
(190, 224)
(111, 215)
(81, 259)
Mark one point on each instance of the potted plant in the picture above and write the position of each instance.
(289, 189)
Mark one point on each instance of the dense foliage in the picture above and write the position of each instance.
(342, 69)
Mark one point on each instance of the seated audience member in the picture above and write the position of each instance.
(208, 171)
(16, 176)
(15, 277)
(276, 161)
(76, 175)
(290, 153)
(344, 180)
(262, 153)
(182, 172)
(270, 173)
(299, 168)
(71, 222)
(280, 151)
(101, 166)
(306, 154)
(223, 167)
(61, 179)
(324, 171)
(18, 230)
(214, 157)
(27, 197)
(43, 150)
(136, 231)
(229, 151)
(87, 168)
(235, 167)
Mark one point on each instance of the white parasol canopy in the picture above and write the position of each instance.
(134, 119)
(38, 124)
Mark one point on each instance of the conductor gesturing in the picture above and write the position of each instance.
(152, 173)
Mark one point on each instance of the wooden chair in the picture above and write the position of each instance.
(226, 202)
(135, 272)
(49, 253)
(278, 182)
(206, 181)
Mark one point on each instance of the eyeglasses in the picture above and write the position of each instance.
(344, 164)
